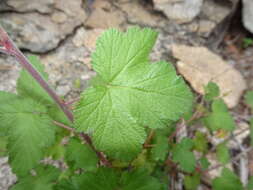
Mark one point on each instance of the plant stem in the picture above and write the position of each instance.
(11, 49)
(87, 139)
(8, 47)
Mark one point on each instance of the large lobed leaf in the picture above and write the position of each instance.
(28, 128)
(129, 93)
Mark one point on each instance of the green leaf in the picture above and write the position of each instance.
(44, 180)
(82, 155)
(131, 94)
(223, 153)
(161, 145)
(249, 98)
(103, 179)
(182, 154)
(27, 86)
(211, 91)
(29, 130)
(192, 182)
(204, 163)
(220, 118)
(139, 180)
(200, 142)
(251, 131)
(227, 181)
(250, 183)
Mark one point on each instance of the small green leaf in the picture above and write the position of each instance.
(82, 155)
(223, 153)
(161, 145)
(219, 118)
(131, 93)
(200, 142)
(29, 130)
(28, 87)
(250, 183)
(249, 98)
(211, 91)
(102, 179)
(182, 154)
(139, 180)
(251, 131)
(43, 180)
(204, 163)
(192, 182)
(227, 181)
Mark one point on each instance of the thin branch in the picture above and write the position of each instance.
(11, 49)
(72, 101)
(86, 139)
(64, 126)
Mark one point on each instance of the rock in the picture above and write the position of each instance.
(199, 66)
(59, 17)
(9, 72)
(138, 14)
(104, 15)
(65, 67)
(216, 11)
(36, 32)
(45, 6)
(42, 32)
(87, 38)
(247, 15)
(182, 11)
(7, 178)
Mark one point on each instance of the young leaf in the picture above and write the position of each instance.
(220, 118)
(204, 163)
(42, 181)
(251, 131)
(161, 145)
(29, 130)
(102, 179)
(200, 142)
(138, 180)
(82, 155)
(27, 86)
(223, 153)
(249, 98)
(227, 181)
(184, 156)
(211, 91)
(192, 182)
(250, 183)
(131, 93)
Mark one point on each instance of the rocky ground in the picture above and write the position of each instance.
(63, 35)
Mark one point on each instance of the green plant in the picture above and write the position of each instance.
(124, 130)
(247, 42)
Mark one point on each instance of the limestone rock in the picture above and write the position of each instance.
(137, 13)
(104, 15)
(182, 11)
(87, 38)
(199, 66)
(248, 15)
(42, 32)
(45, 6)
(65, 67)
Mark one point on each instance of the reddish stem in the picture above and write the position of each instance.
(10, 48)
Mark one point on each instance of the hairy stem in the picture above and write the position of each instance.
(8, 47)
(11, 49)
(87, 139)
